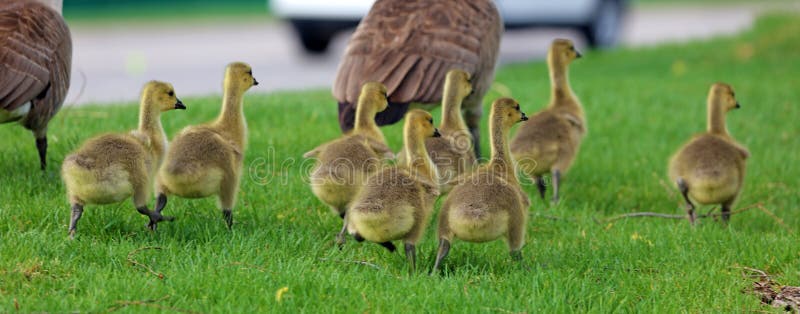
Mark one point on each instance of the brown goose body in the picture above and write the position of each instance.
(410, 46)
(35, 63)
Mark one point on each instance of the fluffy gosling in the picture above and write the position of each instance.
(489, 203)
(344, 163)
(112, 167)
(207, 159)
(452, 152)
(710, 168)
(396, 203)
(549, 141)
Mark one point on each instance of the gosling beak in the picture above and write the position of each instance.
(524, 117)
(436, 133)
(180, 105)
(738, 105)
(255, 82)
(578, 55)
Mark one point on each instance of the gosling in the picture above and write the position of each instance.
(549, 142)
(113, 167)
(452, 152)
(710, 168)
(344, 163)
(489, 203)
(396, 203)
(207, 159)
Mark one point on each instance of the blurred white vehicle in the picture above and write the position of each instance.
(317, 21)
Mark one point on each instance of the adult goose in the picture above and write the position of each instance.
(35, 62)
(409, 46)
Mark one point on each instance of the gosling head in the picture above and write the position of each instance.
(162, 95)
(722, 94)
(563, 51)
(374, 94)
(460, 79)
(239, 75)
(507, 110)
(421, 121)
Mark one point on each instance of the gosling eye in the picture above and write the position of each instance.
(517, 107)
(171, 93)
(430, 120)
(250, 72)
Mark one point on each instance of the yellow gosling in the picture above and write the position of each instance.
(113, 167)
(710, 168)
(207, 159)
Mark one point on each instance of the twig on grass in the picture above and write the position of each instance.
(771, 292)
(776, 218)
(670, 216)
(142, 265)
(147, 303)
(351, 262)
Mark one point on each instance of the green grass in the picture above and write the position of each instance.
(641, 105)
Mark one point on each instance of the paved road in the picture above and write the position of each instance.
(112, 63)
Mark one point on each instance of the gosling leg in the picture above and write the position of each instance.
(444, 249)
(77, 211)
(341, 236)
(388, 245)
(411, 256)
(556, 185)
(726, 212)
(41, 146)
(227, 196)
(689, 205)
(227, 214)
(541, 185)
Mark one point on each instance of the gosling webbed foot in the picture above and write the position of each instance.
(155, 217)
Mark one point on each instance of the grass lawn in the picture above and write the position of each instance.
(641, 105)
